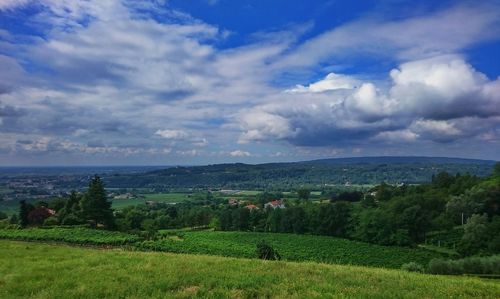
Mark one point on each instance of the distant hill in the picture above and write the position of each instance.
(401, 160)
(317, 173)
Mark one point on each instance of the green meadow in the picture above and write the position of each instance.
(31, 270)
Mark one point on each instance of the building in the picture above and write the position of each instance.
(275, 204)
(252, 207)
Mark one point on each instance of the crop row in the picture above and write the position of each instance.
(291, 247)
(82, 236)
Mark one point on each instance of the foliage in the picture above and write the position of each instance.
(304, 193)
(291, 247)
(287, 176)
(76, 235)
(447, 238)
(38, 215)
(24, 210)
(266, 251)
(413, 267)
(51, 221)
(469, 265)
(95, 206)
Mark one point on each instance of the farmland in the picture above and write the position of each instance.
(82, 236)
(154, 197)
(291, 247)
(68, 272)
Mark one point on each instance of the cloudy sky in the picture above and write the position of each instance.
(122, 82)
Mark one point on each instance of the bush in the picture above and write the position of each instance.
(413, 267)
(470, 265)
(51, 221)
(266, 251)
(71, 219)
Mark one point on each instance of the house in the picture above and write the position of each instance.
(252, 207)
(232, 202)
(275, 204)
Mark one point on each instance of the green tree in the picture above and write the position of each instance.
(496, 169)
(24, 210)
(14, 219)
(266, 251)
(214, 223)
(95, 207)
(304, 193)
(475, 235)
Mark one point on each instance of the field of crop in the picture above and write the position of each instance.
(29, 270)
(291, 247)
(82, 236)
(167, 197)
(157, 197)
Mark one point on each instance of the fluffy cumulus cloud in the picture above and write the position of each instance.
(141, 82)
(439, 99)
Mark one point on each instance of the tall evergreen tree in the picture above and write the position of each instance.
(95, 206)
(24, 209)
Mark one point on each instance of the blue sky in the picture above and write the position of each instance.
(198, 82)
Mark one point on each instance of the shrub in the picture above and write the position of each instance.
(51, 221)
(439, 266)
(266, 251)
(71, 219)
(413, 267)
(470, 265)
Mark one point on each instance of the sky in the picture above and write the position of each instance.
(175, 82)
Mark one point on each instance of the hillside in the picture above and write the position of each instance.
(291, 247)
(70, 272)
(361, 170)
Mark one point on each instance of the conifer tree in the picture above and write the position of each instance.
(95, 207)
(24, 210)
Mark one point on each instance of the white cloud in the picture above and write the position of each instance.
(120, 73)
(331, 82)
(239, 153)
(429, 99)
(12, 4)
(443, 87)
(172, 134)
(397, 136)
(445, 31)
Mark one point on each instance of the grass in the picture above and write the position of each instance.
(157, 197)
(167, 197)
(29, 270)
(292, 247)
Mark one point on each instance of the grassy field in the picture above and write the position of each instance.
(291, 247)
(157, 197)
(30, 270)
(167, 197)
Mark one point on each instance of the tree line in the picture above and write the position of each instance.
(402, 215)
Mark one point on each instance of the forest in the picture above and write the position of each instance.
(286, 176)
